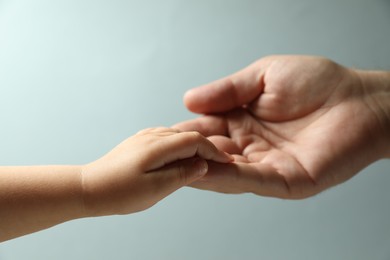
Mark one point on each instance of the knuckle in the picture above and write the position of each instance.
(195, 136)
(143, 131)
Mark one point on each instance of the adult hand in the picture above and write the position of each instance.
(295, 124)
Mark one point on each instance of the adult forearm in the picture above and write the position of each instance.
(33, 198)
(376, 85)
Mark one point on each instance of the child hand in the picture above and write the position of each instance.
(144, 169)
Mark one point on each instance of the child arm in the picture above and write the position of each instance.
(134, 176)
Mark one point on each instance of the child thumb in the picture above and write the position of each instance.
(180, 173)
(194, 169)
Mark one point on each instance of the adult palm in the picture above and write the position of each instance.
(295, 124)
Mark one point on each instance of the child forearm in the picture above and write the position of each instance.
(33, 198)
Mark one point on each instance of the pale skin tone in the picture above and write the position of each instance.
(296, 125)
(132, 177)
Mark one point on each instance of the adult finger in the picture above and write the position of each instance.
(206, 125)
(260, 179)
(228, 93)
(225, 144)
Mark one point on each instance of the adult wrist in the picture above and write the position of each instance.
(376, 89)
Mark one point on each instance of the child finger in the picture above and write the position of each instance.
(186, 145)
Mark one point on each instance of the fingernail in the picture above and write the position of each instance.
(200, 167)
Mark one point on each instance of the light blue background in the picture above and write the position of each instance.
(77, 77)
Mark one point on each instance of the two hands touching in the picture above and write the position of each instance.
(132, 177)
(295, 126)
(146, 168)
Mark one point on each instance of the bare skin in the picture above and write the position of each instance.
(132, 177)
(296, 125)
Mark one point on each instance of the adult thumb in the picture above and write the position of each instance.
(227, 93)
